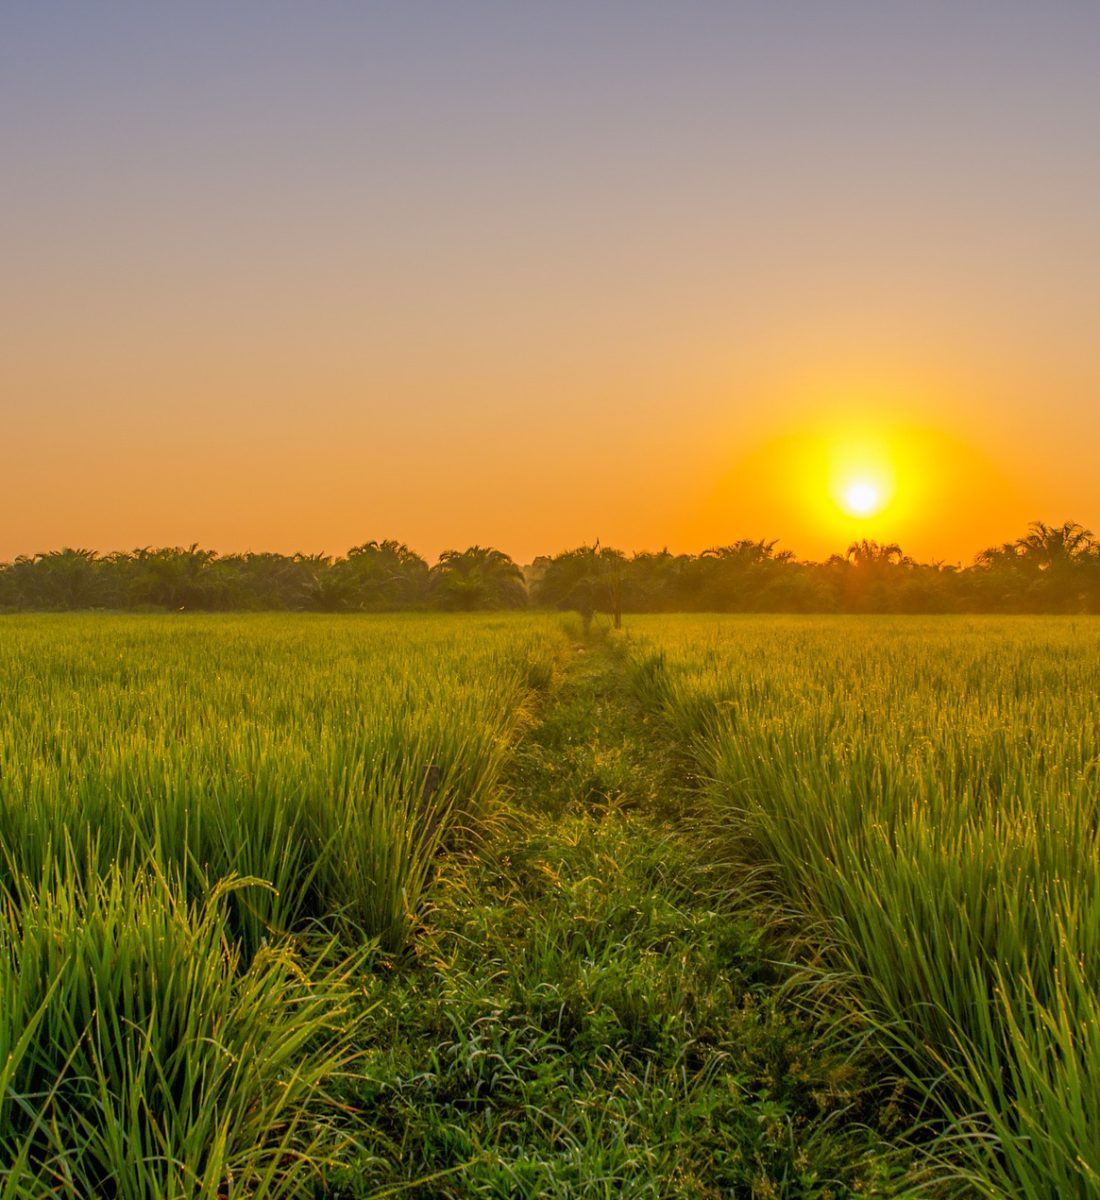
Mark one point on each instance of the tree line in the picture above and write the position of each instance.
(1049, 569)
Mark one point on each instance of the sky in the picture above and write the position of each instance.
(295, 276)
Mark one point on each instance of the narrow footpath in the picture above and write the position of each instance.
(592, 1011)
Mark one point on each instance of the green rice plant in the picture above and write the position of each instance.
(141, 1057)
(186, 803)
(928, 790)
(291, 749)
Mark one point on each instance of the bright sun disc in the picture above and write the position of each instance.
(862, 498)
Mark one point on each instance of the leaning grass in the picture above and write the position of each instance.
(143, 1058)
(929, 789)
(207, 826)
(289, 749)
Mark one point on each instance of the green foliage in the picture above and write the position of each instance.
(198, 817)
(142, 1058)
(382, 576)
(928, 790)
(1051, 569)
(293, 750)
(586, 580)
(477, 578)
(593, 1012)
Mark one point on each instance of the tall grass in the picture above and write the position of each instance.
(189, 808)
(141, 1058)
(290, 749)
(930, 789)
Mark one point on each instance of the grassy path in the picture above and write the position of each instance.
(591, 1012)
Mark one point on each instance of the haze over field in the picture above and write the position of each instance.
(291, 277)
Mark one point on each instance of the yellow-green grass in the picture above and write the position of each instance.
(293, 749)
(140, 1057)
(204, 820)
(930, 789)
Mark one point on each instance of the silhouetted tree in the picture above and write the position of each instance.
(174, 577)
(659, 582)
(870, 576)
(64, 578)
(478, 577)
(737, 577)
(384, 575)
(267, 581)
(1053, 557)
(1056, 547)
(1052, 568)
(587, 580)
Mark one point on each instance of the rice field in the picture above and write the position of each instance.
(205, 823)
(218, 833)
(928, 791)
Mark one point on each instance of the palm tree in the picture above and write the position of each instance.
(587, 580)
(738, 577)
(659, 581)
(870, 574)
(478, 577)
(1057, 559)
(748, 552)
(385, 575)
(1051, 548)
(174, 576)
(67, 578)
(1004, 555)
(868, 553)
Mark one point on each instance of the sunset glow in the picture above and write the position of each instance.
(534, 279)
(862, 474)
(862, 498)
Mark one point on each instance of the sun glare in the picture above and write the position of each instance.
(862, 498)
(862, 475)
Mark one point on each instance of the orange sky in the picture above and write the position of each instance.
(281, 280)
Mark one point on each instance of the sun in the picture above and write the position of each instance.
(862, 498)
(862, 475)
